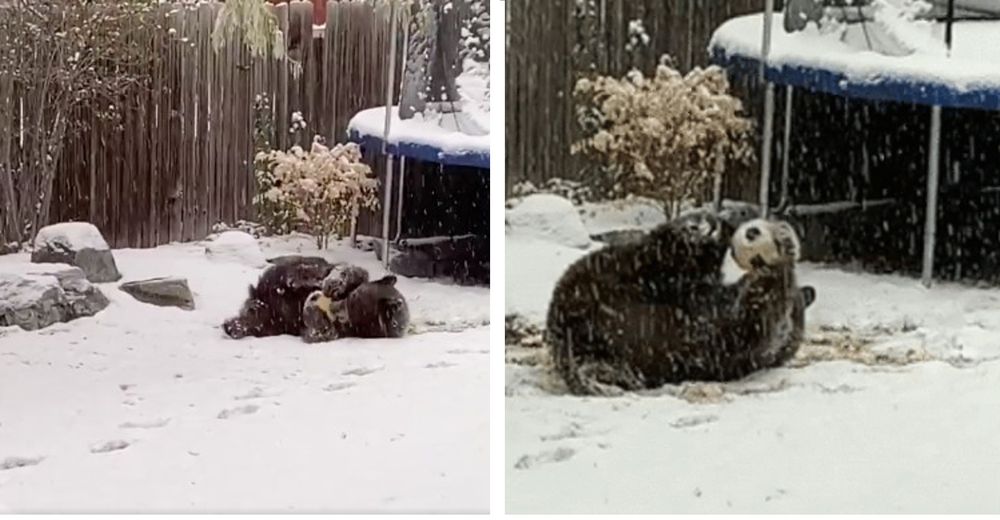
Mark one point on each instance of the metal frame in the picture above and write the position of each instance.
(933, 158)
(387, 203)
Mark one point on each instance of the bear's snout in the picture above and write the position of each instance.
(752, 234)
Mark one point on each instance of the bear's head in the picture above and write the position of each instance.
(704, 223)
(343, 279)
(758, 243)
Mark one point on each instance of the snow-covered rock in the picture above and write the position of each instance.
(237, 247)
(165, 292)
(548, 217)
(80, 244)
(283, 259)
(620, 221)
(34, 296)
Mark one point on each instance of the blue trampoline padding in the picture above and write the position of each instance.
(886, 89)
(422, 152)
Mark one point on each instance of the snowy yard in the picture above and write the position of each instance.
(152, 409)
(892, 405)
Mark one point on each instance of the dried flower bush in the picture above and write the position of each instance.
(323, 187)
(276, 217)
(668, 137)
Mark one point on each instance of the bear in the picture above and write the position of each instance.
(274, 306)
(349, 305)
(324, 313)
(656, 311)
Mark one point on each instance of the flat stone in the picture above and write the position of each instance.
(164, 292)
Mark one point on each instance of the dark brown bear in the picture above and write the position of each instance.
(656, 311)
(350, 305)
(274, 305)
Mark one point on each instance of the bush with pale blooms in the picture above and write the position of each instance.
(320, 188)
(667, 137)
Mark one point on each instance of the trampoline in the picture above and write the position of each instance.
(454, 141)
(439, 141)
(426, 127)
(941, 62)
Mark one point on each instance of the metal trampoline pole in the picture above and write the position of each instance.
(390, 80)
(387, 210)
(933, 167)
(785, 150)
(765, 156)
(399, 201)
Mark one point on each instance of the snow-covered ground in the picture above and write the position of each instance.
(893, 405)
(150, 409)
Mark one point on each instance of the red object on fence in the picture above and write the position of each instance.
(319, 10)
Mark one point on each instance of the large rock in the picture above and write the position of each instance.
(548, 217)
(237, 247)
(165, 292)
(33, 296)
(80, 244)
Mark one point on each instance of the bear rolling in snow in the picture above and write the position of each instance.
(656, 311)
(274, 305)
(350, 305)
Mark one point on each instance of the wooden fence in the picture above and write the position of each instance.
(551, 43)
(181, 159)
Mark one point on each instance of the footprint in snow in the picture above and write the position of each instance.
(457, 351)
(334, 387)
(19, 462)
(362, 371)
(558, 455)
(154, 423)
(693, 420)
(105, 447)
(240, 410)
(254, 393)
(440, 364)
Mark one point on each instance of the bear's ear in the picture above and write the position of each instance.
(808, 295)
(308, 276)
(725, 230)
(389, 280)
(787, 241)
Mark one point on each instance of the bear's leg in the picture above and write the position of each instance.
(317, 326)
(394, 316)
(605, 379)
(253, 317)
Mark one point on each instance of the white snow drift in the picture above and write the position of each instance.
(152, 409)
(890, 407)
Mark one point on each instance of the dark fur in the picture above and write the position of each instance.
(274, 305)
(653, 312)
(378, 310)
(358, 308)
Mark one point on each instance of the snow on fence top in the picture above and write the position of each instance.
(424, 137)
(71, 235)
(969, 77)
